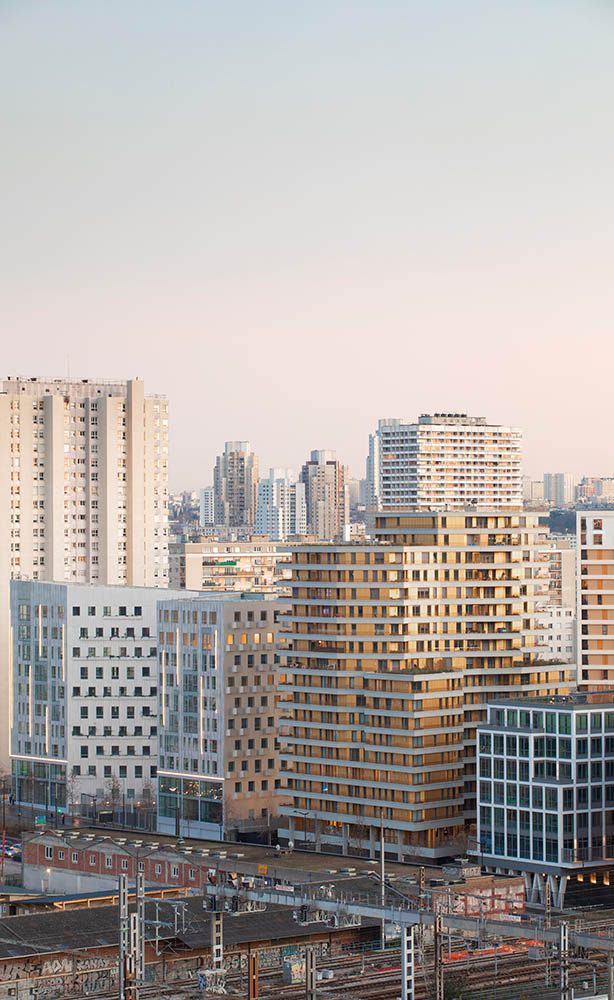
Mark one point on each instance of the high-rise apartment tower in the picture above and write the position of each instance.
(445, 461)
(235, 485)
(326, 495)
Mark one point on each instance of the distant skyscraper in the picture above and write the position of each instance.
(281, 511)
(444, 461)
(559, 487)
(207, 506)
(235, 485)
(326, 495)
(83, 490)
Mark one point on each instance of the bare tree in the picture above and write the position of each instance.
(113, 789)
(73, 793)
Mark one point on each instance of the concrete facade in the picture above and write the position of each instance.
(211, 564)
(219, 714)
(444, 461)
(84, 693)
(84, 489)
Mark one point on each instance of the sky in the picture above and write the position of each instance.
(297, 218)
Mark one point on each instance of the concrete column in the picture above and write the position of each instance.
(318, 834)
(346, 837)
(373, 842)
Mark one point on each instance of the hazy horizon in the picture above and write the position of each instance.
(295, 220)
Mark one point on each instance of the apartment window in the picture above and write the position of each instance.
(74, 857)
(158, 869)
(76, 612)
(108, 861)
(92, 859)
(48, 853)
(124, 864)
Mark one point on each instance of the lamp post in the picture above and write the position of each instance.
(174, 790)
(3, 823)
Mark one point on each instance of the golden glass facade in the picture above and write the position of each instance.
(394, 649)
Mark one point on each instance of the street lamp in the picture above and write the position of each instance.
(177, 823)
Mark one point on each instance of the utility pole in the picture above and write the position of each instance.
(140, 910)
(124, 934)
(610, 975)
(310, 974)
(252, 976)
(548, 925)
(437, 956)
(564, 960)
(382, 877)
(407, 960)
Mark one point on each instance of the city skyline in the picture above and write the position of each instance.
(238, 208)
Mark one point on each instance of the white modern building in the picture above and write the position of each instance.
(83, 489)
(445, 461)
(207, 507)
(84, 692)
(282, 510)
(546, 785)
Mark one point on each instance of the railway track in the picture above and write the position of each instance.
(368, 976)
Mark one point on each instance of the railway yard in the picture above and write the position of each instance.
(377, 976)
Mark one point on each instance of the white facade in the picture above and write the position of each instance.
(562, 570)
(444, 461)
(84, 691)
(83, 490)
(207, 507)
(282, 510)
(559, 625)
